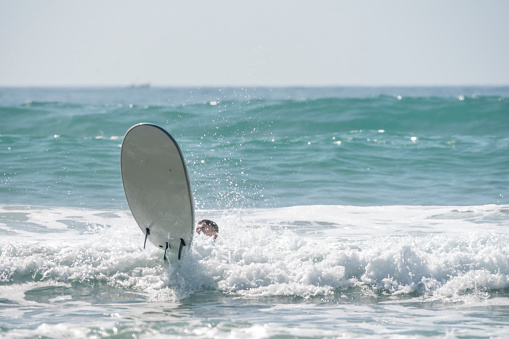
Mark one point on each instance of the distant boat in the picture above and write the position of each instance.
(140, 85)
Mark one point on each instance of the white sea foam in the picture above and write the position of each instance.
(435, 253)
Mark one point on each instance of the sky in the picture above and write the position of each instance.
(254, 43)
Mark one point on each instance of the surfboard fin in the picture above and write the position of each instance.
(167, 246)
(147, 233)
(182, 244)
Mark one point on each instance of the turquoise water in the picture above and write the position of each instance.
(270, 149)
(343, 212)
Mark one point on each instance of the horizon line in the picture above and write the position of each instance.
(148, 85)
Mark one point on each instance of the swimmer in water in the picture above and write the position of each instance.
(208, 227)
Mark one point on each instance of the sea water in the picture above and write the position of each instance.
(343, 212)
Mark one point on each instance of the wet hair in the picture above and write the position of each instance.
(213, 225)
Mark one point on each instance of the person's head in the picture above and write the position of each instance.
(208, 227)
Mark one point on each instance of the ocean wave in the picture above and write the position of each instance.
(432, 253)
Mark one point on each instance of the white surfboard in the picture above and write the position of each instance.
(157, 188)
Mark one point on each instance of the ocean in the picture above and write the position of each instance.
(343, 213)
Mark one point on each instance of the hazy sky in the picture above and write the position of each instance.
(259, 43)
